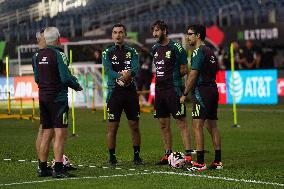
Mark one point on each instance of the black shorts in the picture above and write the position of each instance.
(144, 79)
(126, 100)
(205, 103)
(53, 114)
(167, 102)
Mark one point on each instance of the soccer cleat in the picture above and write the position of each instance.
(61, 174)
(44, 173)
(49, 168)
(138, 161)
(188, 160)
(216, 166)
(69, 168)
(113, 162)
(164, 160)
(197, 167)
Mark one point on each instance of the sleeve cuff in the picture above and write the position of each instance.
(118, 75)
(132, 74)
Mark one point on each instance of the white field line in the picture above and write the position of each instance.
(149, 173)
(74, 178)
(221, 178)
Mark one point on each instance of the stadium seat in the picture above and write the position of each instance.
(175, 12)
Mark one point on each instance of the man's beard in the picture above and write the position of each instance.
(161, 39)
(191, 43)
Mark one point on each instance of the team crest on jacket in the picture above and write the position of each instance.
(128, 55)
(168, 54)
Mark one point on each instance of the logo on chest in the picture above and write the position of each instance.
(43, 60)
(212, 59)
(156, 55)
(128, 55)
(168, 54)
(114, 57)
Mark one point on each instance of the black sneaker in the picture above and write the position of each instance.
(44, 173)
(215, 166)
(163, 161)
(69, 168)
(138, 161)
(61, 174)
(113, 162)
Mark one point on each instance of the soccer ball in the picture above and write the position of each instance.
(65, 160)
(176, 160)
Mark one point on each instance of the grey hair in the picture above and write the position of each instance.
(51, 34)
(37, 35)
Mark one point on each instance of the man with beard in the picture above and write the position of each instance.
(201, 81)
(170, 60)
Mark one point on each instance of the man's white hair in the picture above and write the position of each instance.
(51, 34)
(37, 36)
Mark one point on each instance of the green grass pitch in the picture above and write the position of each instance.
(253, 154)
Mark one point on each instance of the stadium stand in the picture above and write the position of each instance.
(20, 19)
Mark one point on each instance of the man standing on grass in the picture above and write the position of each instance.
(170, 60)
(201, 81)
(53, 78)
(41, 47)
(121, 65)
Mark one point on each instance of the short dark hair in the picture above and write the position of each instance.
(160, 24)
(119, 25)
(198, 29)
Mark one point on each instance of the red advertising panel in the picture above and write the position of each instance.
(152, 90)
(221, 83)
(25, 87)
(280, 86)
